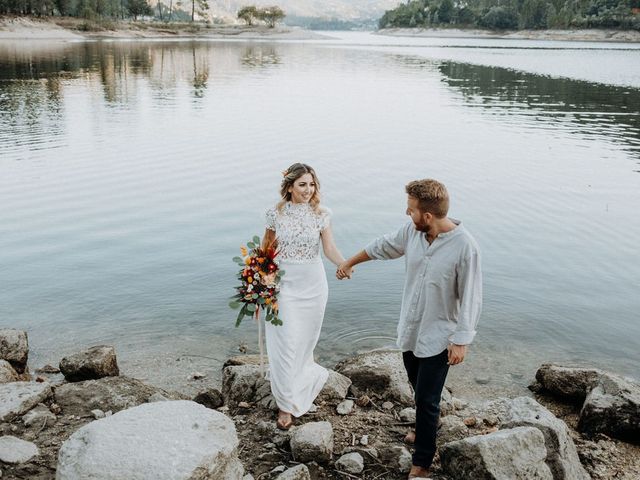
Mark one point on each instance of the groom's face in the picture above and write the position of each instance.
(420, 219)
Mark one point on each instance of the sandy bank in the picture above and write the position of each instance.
(627, 36)
(20, 28)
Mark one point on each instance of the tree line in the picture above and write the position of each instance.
(251, 14)
(515, 14)
(180, 10)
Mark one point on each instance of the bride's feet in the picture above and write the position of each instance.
(285, 420)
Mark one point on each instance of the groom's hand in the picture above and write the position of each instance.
(456, 353)
(344, 271)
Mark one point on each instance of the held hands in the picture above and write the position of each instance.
(456, 353)
(344, 271)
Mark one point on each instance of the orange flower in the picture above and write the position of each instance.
(260, 260)
(250, 279)
(243, 251)
(267, 301)
(247, 261)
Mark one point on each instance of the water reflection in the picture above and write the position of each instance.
(577, 107)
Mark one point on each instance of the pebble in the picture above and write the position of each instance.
(197, 375)
(482, 379)
(470, 421)
(244, 405)
(387, 405)
(364, 440)
(97, 414)
(345, 407)
(279, 469)
(363, 401)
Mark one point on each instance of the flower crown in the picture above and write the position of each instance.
(285, 173)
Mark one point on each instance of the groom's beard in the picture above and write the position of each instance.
(422, 227)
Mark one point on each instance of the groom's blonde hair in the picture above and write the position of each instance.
(432, 196)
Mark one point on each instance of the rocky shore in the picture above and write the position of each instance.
(577, 35)
(85, 419)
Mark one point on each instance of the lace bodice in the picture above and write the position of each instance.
(298, 229)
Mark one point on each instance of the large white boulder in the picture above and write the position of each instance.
(512, 454)
(171, 440)
(17, 398)
(562, 456)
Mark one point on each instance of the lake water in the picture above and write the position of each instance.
(131, 172)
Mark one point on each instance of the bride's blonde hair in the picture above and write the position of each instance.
(293, 173)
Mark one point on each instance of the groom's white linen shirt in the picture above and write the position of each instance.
(442, 297)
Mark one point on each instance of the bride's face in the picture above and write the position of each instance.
(302, 189)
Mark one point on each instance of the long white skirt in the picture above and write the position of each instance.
(295, 378)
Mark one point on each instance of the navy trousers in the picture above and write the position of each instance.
(427, 377)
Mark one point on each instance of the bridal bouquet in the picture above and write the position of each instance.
(259, 282)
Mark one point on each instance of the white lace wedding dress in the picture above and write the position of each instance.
(295, 378)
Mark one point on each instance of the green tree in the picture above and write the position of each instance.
(136, 8)
(446, 11)
(270, 15)
(500, 18)
(248, 14)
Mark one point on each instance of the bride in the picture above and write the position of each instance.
(299, 224)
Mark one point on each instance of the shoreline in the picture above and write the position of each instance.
(590, 35)
(74, 29)
(365, 406)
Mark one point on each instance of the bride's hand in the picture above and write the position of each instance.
(344, 271)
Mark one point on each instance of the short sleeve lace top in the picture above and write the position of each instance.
(298, 230)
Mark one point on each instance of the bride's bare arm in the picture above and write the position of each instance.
(329, 247)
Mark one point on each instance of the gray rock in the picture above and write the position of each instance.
(447, 406)
(96, 362)
(15, 450)
(612, 407)
(245, 383)
(379, 372)
(40, 417)
(513, 454)
(163, 440)
(562, 456)
(248, 476)
(452, 428)
(17, 398)
(568, 382)
(345, 407)
(364, 440)
(158, 397)
(7, 372)
(108, 393)
(482, 379)
(14, 348)
(299, 472)
(312, 441)
(252, 359)
(98, 414)
(350, 463)
(408, 415)
(335, 389)
(396, 457)
(211, 398)
(369, 454)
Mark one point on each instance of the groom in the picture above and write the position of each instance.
(441, 302)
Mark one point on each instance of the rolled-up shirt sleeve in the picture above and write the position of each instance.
(470, 296)
(388, 246)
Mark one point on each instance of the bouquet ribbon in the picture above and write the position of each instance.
(260, 341)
